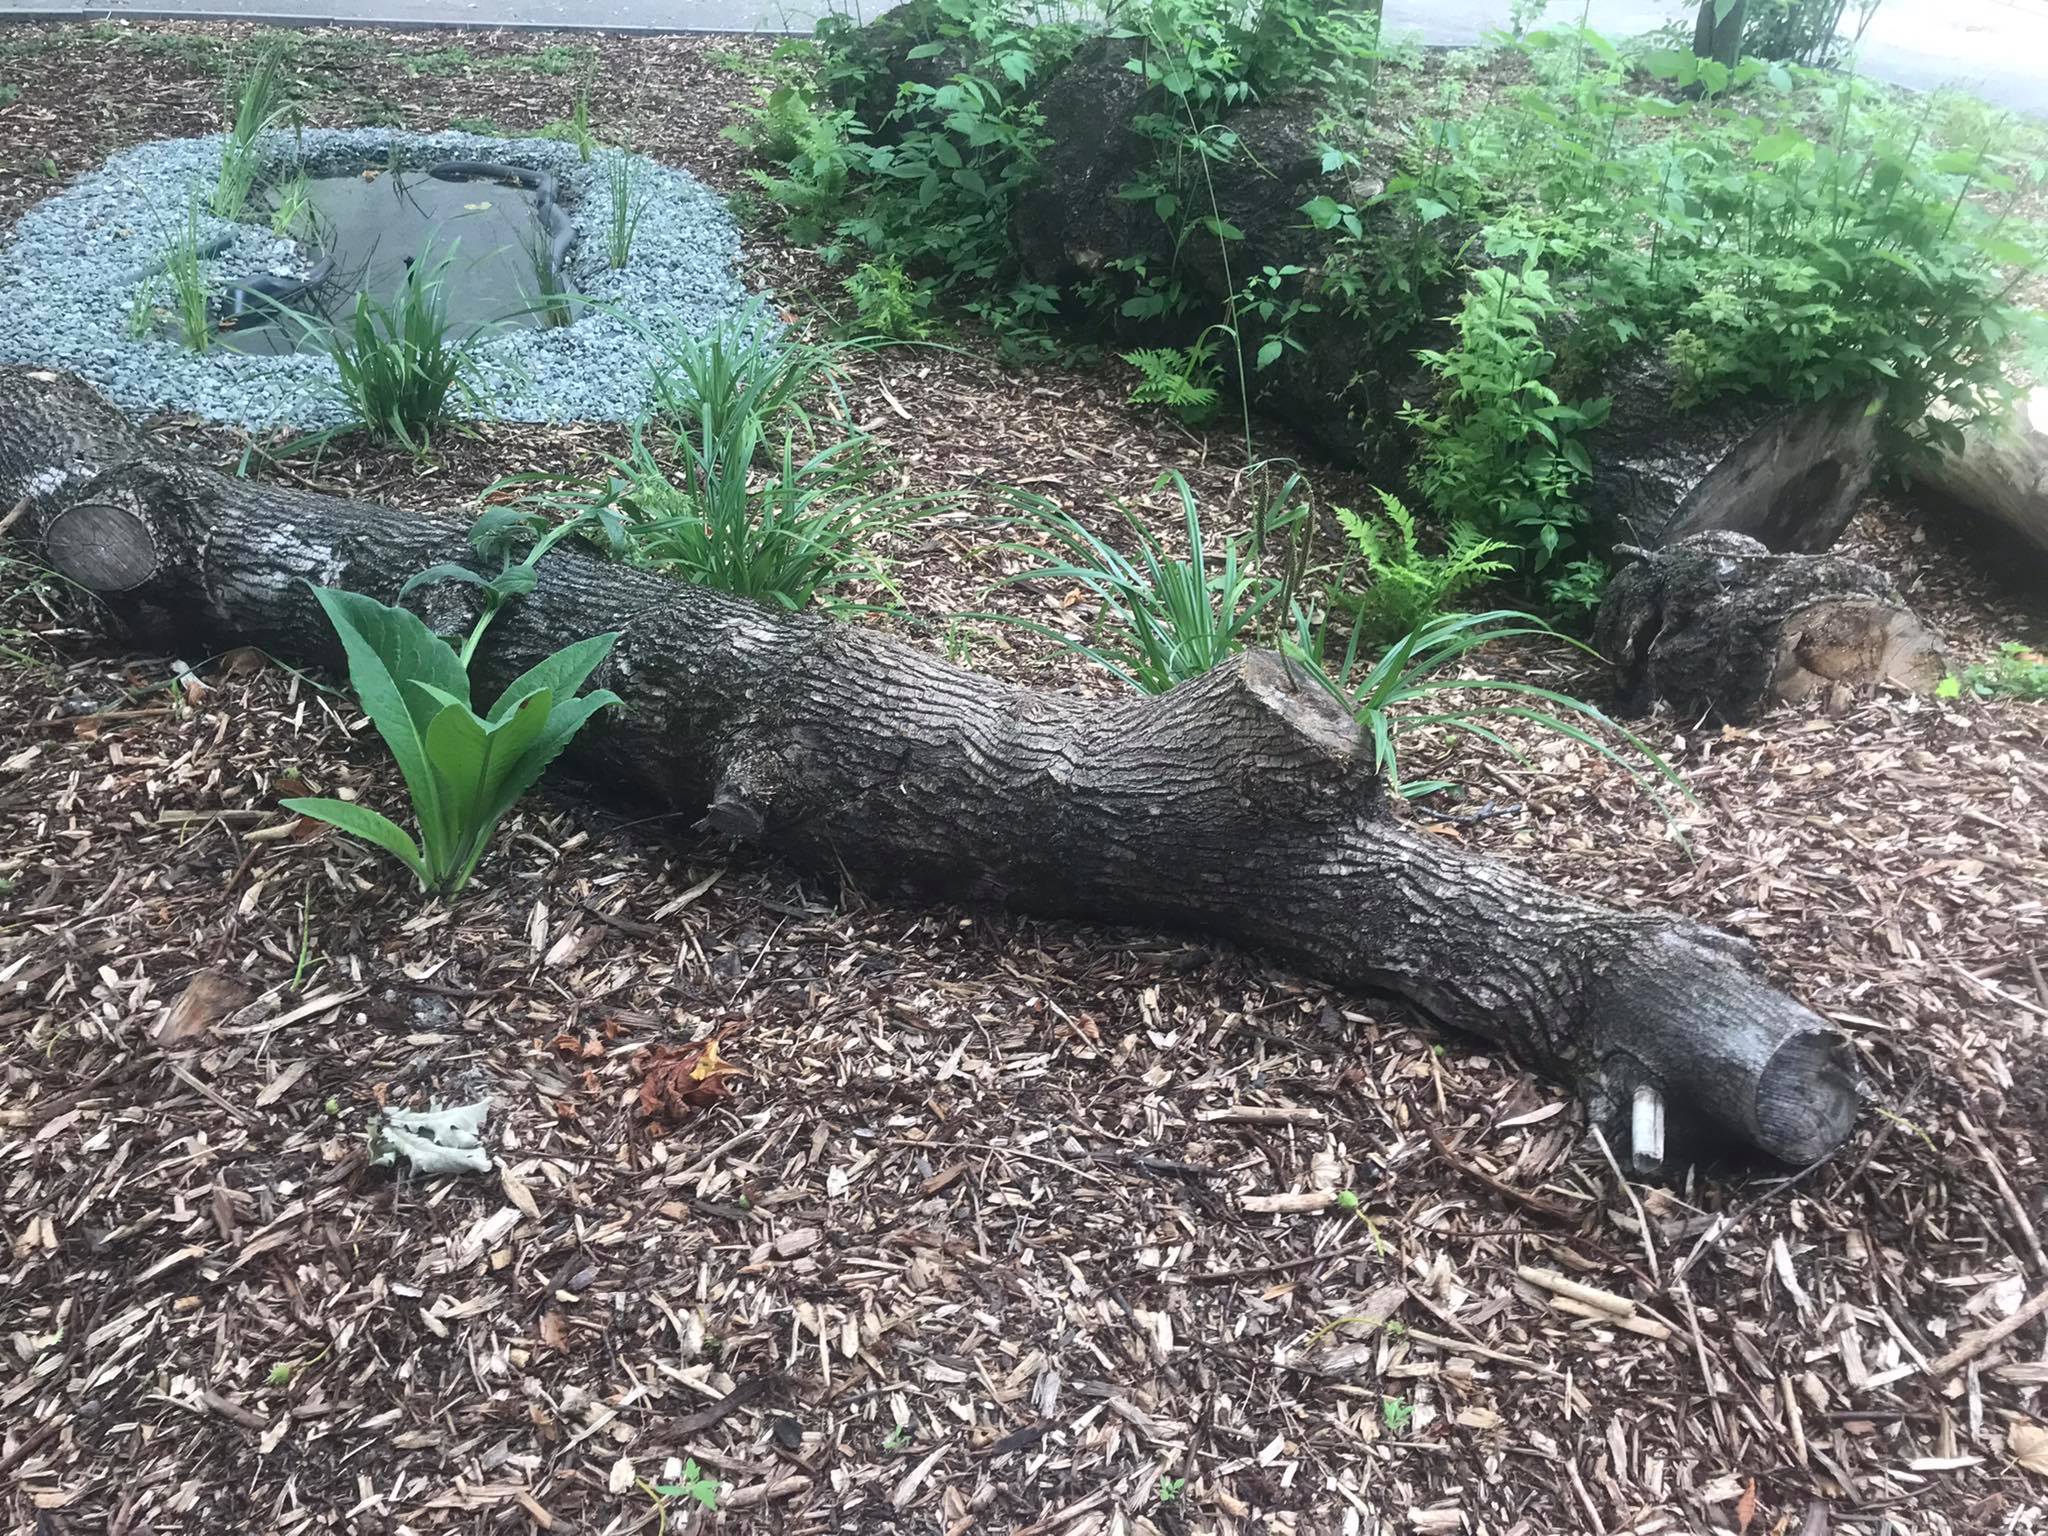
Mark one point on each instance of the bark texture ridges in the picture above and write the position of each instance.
(1243, 804)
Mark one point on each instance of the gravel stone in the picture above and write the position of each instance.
(77, 263)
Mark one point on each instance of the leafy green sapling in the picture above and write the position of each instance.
(464, 771)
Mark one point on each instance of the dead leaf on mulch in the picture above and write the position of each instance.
(674, 1079)
(2029, 1446)
(207, 999)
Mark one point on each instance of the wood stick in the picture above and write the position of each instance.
(2014, 1206)
(1974, 1345)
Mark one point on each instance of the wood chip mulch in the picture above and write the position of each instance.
(968, 1222)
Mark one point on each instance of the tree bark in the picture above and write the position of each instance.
(1243, 804)
(1720, 37)
(2000, 477)
(1718, 625)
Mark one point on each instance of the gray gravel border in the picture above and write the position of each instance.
(75, 265)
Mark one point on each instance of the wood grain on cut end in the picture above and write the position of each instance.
(1806, 1096)
(102, 547)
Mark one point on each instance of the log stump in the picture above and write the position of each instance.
(1717, 625)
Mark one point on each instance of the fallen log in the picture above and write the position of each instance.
(1716, 624)
(2000, 477)
(1243, 804)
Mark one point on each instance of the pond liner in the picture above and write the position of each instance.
(268, 296)
(542, 184)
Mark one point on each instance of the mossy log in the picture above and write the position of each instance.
(1242, 805)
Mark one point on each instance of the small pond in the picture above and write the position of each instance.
(497, 228)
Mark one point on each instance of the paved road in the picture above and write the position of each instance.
(1998, 48)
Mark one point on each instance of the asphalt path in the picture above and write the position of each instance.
(1995, 48)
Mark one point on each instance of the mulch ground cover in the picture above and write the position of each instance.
(967, 1224)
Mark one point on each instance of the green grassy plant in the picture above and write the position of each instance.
(575, 128)
(184, 278)
(292, 216)
(741, 372)
(792, 535)
(1159, 620)
(551, 296)
(403, 373)
(734, 483)
(258, 106)
(627, 203)
(1413, 685)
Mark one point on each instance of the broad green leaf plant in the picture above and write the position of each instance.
(463, 770)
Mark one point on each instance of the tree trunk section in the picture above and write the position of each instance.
(1788, 477)
(2000, 478)
(1243, 804)
(1718, 625)
(1720, 38)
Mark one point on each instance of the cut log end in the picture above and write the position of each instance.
(1733, 1060)
(1806, 1097)
(1855, 642)
(102, 547)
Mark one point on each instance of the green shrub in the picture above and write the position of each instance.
(463, 771)
(887, 302)
(1408, 587)
(1780, 234)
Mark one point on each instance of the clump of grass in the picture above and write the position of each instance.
(551, 295)
(732, 484)
(403, 372)
(257, 107)
(1160, 620)
(142, 309)
(627, 204)
(738, 372)
(792, 536)
(1414, 684)
(185, 278)
(575, 129)
(294, 211)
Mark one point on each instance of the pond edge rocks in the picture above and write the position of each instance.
(74, 268)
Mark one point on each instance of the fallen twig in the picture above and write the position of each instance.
(1997, 1333)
